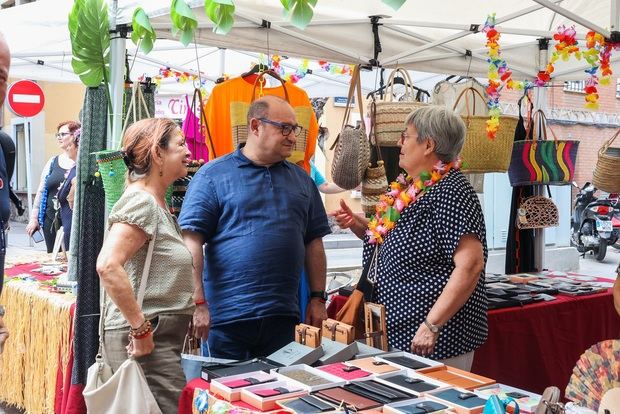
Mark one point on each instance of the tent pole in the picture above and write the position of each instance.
(614, 15)
(222, 61)
(117, 77)
(410, 52)
(540, 103)
(574, 17)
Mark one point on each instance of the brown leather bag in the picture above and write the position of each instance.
(352, 313)
(550, 402)
(308, 335)
(338, 331)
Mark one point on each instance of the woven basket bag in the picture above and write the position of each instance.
(375, 180)
(481, 154)
(390, 116)
(352, 151)
(607, 170)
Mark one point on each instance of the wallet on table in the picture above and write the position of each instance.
(372, 365)
(347, 372)
(418, 407)
(406, 362)
(459, 378)
(417, 385)
(225, 370)
(337, 395)
(376, 391)
(272, 392)
(307, 404)
(459, 398)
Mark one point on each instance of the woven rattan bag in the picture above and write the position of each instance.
(352, 151)
(481, 154)
(390, 115)
(537, 212)
(375, 179)
(607, 170)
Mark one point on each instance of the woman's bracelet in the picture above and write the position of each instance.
(142, 336)
(144, 328)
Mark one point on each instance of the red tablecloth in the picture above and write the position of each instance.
(537, 345)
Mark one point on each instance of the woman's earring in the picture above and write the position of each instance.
(161, 172)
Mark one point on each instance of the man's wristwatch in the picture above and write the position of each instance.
(433, 328)
(321, 294)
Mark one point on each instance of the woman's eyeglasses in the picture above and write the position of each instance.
(63, 134)
(286, 129)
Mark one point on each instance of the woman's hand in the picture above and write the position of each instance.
(140, 347)
(347, 219)
(202, 321)
(33, 225)
(423, 343)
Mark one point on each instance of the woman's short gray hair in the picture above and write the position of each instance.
(441, 125)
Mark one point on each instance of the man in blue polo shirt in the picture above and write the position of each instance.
(262, 220)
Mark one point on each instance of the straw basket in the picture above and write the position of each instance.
(373, 186)
(112, 169)
(607, 170)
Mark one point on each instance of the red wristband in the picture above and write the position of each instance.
(200, 302)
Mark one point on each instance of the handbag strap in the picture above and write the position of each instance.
(355, 84)
(274, 75)
(474, 92)
(373, 130)
(608, 143)
(141, 290)
(409, 90)
(136, 94)
(364, 280)
(540, 122)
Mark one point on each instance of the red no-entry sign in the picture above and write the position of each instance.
(25, 98)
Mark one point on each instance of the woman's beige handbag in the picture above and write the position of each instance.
(125, 391)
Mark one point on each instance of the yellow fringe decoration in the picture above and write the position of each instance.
(39, 323)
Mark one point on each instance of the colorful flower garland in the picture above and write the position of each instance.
(274, 63)
(402, 193)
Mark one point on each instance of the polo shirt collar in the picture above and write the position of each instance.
(243, 161)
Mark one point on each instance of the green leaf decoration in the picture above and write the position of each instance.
(221, 13)
(183, 21)
(142, 31)
(299, 12)
(392, 214)
(395, 4)
(90, 41)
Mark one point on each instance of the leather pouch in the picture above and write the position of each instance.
(423, 407)
(373, 365)
(407, 362)
(377, 392)
(226, 370)
(338, 331)
(271, 392)
(245, 382)
(338, 395)
(308, 335)
(307, 404)
(460, 398)
(347, 372)
(417, 385)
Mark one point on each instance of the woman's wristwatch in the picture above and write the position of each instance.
(433, 328)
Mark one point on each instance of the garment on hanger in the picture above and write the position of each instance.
(194, 136)
(239, 90)
(446, 92)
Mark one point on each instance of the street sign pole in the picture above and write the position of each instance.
(27, 134)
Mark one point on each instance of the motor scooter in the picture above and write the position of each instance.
(615, 220)
(591, 223)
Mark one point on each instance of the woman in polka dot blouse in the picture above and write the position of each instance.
(430, 267)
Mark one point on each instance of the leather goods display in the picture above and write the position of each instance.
(352, 151)
(126, 390)
(337, 395)
(417, 385)
(406, 362)
(537, 212)
(272, 392)
(481, 154)
(459, 378)
(338, 331)
(308, 335)
(459, 398)
(390, 115)
(495, 405)
(372, 365)
(607, 170)
(305, 377)
(307, 404)
(542, 161)
(375, 181)
(347, 372)
(424, 407)
(245, 382)
(376, 329)
(225, 370)
(550, 402)
(377, 391)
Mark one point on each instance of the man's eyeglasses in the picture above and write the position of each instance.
(286, 129)
(63, 134)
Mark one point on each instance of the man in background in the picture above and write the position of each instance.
(5, 61)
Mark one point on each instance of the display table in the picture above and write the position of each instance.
(36, 356)
(537, 345)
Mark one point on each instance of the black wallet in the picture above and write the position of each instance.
(406, 362)
(463, 399)
(375, 391)
(308, 404)
(224, 370)
(416, 385)
(424, 407)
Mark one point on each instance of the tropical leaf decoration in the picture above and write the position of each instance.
(142, 33)
(222, 14)
(299, 12)
(90, 41)
(184, 21)
(395, 4)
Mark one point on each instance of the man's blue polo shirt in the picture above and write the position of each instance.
(256, 222)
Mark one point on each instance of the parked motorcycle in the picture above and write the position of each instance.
(591, 223)
(615, 220)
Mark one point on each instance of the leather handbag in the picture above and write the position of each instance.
(352, 151)
(338, 331)
(495, 405)
(542, 161)
(375, 180)
(191, 356)
(390, 115)
(550, 402)
(308, 335)
(126, 390)
(352, 312)
(537, 212)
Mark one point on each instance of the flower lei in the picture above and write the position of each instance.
(402, 193)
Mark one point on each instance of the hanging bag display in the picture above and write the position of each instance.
(126, 390)
(542, 161)
(352, 151)
(391, 115)
(110, 162)
(607, 170)
(375, 180)
(481, 154)
(537, 212)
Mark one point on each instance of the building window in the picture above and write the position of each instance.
(617, 88)
(575, 86)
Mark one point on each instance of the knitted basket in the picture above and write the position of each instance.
(112, 169)
(607, 170)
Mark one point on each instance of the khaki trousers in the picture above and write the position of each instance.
(162, 367)
(463, 362)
